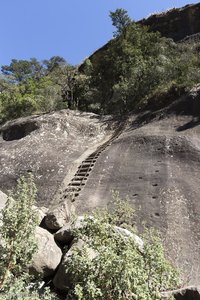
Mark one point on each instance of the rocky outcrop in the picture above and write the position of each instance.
(156, 162)
(50, 146)
(176, 23)
(48, 255)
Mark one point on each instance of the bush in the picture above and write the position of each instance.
(17, 245)
(121, 270)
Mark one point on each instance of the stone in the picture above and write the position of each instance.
(127, 234)
(63, 278)
(41, 212)
(58, 216)
(186, 293)
(3, 199)
(48, 255)
(176, 23)
(65, 234)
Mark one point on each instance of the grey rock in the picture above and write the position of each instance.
(65, 234)
(48, 255)
(156, 164)
(64, 278)
(3, 199)
(58, 216)
(50, 146)
(127, 234)
(41, 212)
(186, 293)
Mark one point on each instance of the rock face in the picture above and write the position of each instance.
(48, 255)
(156, 163)
(176, 23)
(50, 146)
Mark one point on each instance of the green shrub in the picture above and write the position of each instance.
(121, 270)
(18, 244)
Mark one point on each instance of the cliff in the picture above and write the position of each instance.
(176, 23)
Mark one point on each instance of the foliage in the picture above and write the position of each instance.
(17, 244)
(19, 70)
(120, 20)
(19, 289)
(135, 65)
(138, 63)
(53, 63)
(121, 269)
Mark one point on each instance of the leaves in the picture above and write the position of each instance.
(120, 269)
(18, 244)
(18, 231)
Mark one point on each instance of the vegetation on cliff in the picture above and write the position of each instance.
(137, 65)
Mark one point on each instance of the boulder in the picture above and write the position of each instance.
(48, 255)
(186, 293)
(64, 278)
(127, 234)
(41, 212)
(65, 234)
(58, 216)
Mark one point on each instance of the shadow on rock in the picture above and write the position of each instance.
(193, 123)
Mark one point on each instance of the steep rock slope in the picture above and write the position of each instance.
(50, 146)
(156, 164)
(177, 24)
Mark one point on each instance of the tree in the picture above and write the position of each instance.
(131, 67)
(120, 20)
(20, 70)
(53, 63)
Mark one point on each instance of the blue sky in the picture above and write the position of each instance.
(69, 28)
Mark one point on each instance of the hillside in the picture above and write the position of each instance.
(175, 24)
(153, 159)
(156, 164)
(126, 120)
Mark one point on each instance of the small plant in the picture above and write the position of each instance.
(18, 244)
(121, 269)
